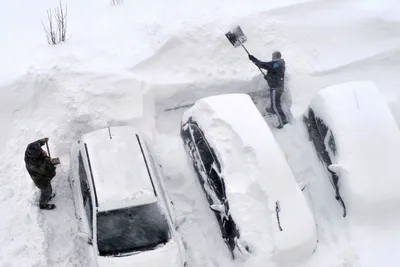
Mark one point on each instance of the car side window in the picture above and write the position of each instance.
(321, 127)
(330, 142)
(217, 184)
(211, 165)
(89, 213)
(204, 151)
(326, 135)
(87, 199)
(83, 180)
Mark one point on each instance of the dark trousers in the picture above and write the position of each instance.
(46, 193)
(276, 94)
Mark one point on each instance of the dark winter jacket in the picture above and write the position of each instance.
(276, 72)
(38, 165)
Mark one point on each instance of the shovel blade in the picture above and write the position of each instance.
(236, 37)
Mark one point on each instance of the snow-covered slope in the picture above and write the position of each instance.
(116, 54)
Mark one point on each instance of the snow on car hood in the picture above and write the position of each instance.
(167, 255)
(256, 175)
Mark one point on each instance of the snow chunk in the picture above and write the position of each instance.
(368, 144)
(257, 176)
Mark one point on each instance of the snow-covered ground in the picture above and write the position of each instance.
(177, 51)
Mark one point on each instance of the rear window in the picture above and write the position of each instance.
(131, 229)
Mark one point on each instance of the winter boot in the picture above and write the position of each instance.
(47, 206)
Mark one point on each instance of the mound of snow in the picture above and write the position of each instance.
(257, 177)
(368, 144)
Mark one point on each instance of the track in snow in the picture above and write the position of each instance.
(200, 231)
(334, 246)
(63, 248)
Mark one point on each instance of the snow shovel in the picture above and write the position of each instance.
(55, 161)
(237, 38)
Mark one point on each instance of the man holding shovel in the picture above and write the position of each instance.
(42, 169)
(276, 81)
(274, 77)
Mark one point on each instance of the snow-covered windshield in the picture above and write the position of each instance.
(131, 229)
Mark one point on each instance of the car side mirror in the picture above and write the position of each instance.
(337, 169)
(219, 208)
(179, 221)
(85, 237)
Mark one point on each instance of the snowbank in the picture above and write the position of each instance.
(62, 106)
(368, 143)
(257, 176)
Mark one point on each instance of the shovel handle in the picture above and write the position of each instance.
(249, 54)
(48, 150)
(245, 49)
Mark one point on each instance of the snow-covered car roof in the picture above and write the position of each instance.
(256, 175)
(119, 169)
(368, 144)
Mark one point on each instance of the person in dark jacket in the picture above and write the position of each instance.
(42, 170)
(276, 81)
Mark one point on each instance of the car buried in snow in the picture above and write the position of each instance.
(356, 138)
(124, 212)
(246, 179)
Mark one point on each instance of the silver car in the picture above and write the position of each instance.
(125, 215)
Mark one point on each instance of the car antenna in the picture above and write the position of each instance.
(109, 132)
(355, 96)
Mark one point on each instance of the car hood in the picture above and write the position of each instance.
(167, 255)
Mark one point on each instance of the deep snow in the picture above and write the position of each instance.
(367, 141)
(116, 54)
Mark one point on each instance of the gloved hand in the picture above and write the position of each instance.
(252, 58)
(46, 139)
(55, 161)
(266, 77)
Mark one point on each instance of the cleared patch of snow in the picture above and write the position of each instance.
(200, 231)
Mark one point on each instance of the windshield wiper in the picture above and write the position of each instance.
(136, 250)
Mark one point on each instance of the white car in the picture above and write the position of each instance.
(246, 179)
(356, 137)
(124, 212)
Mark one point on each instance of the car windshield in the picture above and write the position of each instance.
(131, 229)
